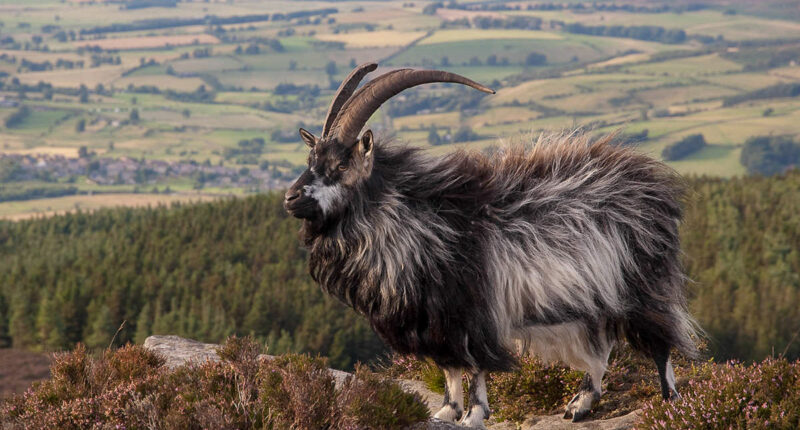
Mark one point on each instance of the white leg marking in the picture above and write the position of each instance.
(479, 403)
(453, 406)
(674, 395)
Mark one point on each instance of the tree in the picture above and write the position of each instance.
(535, 59)
(5, 336)
(101, 328)
(80, 126)
(83, 152)
(331, 69)
(186, 113)
(433, 136)
(465, 134)
(83, 94)
(683, 148)
(134, 116)
(769, 155)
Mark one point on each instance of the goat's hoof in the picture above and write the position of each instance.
(473, 421)
(581, 405)
(580, 415)
(449, 414)
(674, 397)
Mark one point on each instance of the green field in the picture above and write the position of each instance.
(607, 84)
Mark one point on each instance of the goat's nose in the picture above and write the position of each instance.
(291, 195)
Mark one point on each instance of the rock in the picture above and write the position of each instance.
(557, 422)
(179, 351)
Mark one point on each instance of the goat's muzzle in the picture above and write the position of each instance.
(297, 202)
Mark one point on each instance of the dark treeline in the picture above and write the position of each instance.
(460, 99)
(768, 155)
(639, 32)
(430, 9)
(142, 4)
(17, 117)
(684, 147)
(760, 57)
(790, 89)
(236, 266)
(159, 23)
(17, 192)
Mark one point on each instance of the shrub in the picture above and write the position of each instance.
(370, 400)
(536, 387)
(763, 395)
(130, 388)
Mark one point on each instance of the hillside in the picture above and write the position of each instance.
(216, 90)
(236, 266)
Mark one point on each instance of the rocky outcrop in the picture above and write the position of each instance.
(179, 351)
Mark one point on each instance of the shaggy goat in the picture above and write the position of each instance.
(562, 248)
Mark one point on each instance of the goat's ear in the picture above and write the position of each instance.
(308, 138)
(366, 144)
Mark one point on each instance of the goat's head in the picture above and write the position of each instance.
(339, 160)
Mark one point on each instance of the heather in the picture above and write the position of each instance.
(539, 388)
(764, 395)
(130, 387)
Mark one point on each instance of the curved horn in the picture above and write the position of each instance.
(346, 89)
(357, 110)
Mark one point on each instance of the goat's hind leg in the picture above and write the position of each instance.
(453, 405)
(581, 404)
(666, 375)
(591, 388)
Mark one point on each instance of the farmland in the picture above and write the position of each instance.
(106, 79)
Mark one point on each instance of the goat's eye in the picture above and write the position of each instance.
(342, 167)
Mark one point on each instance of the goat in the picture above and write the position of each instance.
(562, 248)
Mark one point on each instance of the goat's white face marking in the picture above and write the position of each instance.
(327, 196)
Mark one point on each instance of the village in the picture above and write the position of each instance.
(95, 170)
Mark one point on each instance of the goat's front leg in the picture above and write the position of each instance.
(478, 402)
(453, 405)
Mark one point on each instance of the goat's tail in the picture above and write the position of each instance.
(661, 323)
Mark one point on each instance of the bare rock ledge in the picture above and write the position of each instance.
(179, 351)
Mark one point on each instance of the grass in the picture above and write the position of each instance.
(74, 78)
(374, 38)
(515, 50)
(19, 210)
(693, 66)
(462, 35)
(715, 160)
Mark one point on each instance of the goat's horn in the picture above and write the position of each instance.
(346, 89)
(357, 110)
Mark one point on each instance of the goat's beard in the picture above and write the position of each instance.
(311, 229)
